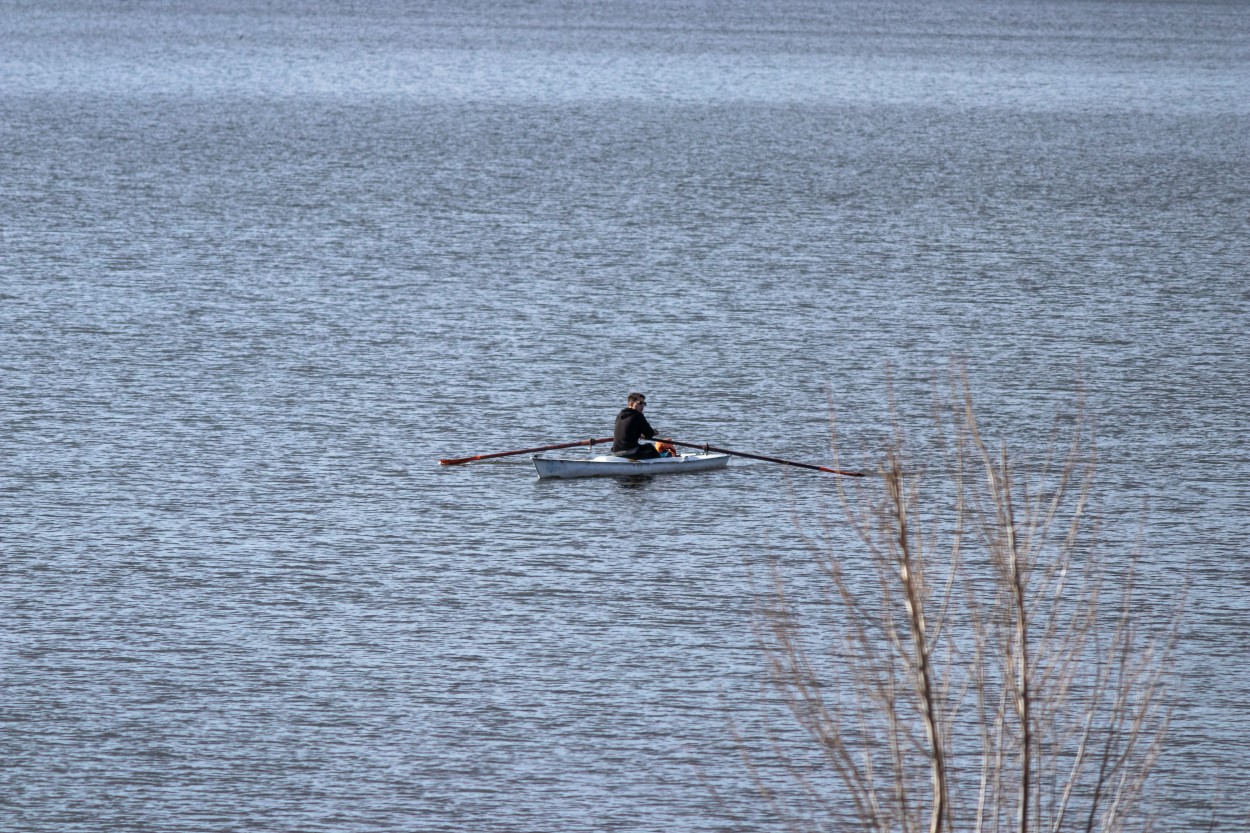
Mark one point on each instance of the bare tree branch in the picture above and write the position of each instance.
(976, 675)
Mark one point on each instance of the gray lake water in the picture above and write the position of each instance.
(262, 265)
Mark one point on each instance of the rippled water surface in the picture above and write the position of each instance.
(261, 267)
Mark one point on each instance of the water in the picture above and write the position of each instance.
(261, 268)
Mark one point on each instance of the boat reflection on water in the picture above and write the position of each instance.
(636, 481)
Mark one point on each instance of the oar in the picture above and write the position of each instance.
(461, 460)
(706, 447)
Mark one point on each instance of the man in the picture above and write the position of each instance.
(631, 426)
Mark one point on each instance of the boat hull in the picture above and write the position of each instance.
(609, 466)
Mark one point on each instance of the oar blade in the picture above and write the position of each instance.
(843, 473)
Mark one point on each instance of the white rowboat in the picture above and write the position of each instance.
(608, 465)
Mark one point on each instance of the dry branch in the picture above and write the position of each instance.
(983, 682)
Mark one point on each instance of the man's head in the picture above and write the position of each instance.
(636, 401)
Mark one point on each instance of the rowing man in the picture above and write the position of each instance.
(632, 426)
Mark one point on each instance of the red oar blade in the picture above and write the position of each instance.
(843, 473)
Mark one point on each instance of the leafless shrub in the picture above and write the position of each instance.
(992, 675)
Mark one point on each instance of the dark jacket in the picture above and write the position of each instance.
(630, 426)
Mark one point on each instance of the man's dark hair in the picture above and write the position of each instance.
(635, 397)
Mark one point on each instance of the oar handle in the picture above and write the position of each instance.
(706, 447)
(458, 461)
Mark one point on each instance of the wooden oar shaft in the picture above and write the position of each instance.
(461, 460)
(767, 459)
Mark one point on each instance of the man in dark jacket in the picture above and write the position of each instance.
(631, 426)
